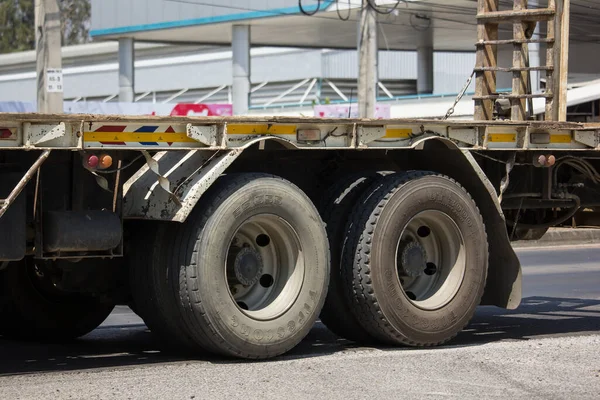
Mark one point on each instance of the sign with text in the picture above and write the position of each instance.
(54, 80)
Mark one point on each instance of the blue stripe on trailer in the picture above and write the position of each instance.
(147, 129)
(149, 143)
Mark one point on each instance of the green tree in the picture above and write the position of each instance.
(17, 20)
(75, 16)
(17, 24)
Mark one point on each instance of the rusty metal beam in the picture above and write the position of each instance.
(487, 56)
(561, 59)
(520, 61)
(550, 73)
(6, 203)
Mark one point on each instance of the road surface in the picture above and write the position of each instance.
(548, 348)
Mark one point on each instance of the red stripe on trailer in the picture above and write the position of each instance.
(111, 128)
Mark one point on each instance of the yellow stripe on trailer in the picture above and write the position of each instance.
(176, 137)
(398, 133)
(502, 137)
(261, 129)
(560, 138)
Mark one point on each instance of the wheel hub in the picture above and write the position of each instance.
(245, 265)
(413, 259)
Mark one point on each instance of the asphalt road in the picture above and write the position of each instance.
(548, 348)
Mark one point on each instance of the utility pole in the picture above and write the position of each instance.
(367, 53)
(49, 57)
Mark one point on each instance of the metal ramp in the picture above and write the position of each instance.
(555, 15)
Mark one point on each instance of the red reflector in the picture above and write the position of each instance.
(5, 133)
(93, 161)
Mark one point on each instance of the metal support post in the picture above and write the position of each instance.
(561, 58)
(126, 70)
(487, 55)
(425, 62)
(240, 46)
(519, 61)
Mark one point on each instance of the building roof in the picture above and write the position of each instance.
(280, 22)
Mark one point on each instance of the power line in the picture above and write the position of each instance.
(337, 9)
(310, 14)
(372, 4)
(584, 20)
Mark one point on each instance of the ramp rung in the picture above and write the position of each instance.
(538, 14)
(513, 69)
(514, 41)
(514, 96)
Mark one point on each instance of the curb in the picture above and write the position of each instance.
(563, 237)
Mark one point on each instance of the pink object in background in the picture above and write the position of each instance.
(100, 108)
(203, 110)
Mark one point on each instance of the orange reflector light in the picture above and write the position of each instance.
(105, 161)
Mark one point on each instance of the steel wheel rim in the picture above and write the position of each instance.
(431, 259)
(265, 267)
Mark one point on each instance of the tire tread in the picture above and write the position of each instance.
(356, 258)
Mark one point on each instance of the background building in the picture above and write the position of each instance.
(283, 62)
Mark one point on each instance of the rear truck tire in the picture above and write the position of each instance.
(153, 299)
(250, 266)
(32, 308)
(336, 209)
(416, 259)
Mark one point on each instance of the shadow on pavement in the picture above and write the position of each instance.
(537, 317)
(133, 345)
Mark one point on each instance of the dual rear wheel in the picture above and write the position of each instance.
(250, 271)
(246, 276)
(411, 259)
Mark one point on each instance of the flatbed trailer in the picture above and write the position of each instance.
(233, 235)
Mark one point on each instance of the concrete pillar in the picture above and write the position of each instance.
(425, 62)
(240, 46)
(49, 57)
(126, 70)
(367, 64)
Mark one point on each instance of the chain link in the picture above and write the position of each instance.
(459, 97)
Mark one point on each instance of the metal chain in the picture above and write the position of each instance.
(506, 180)
(459, 97)
(514, 229)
